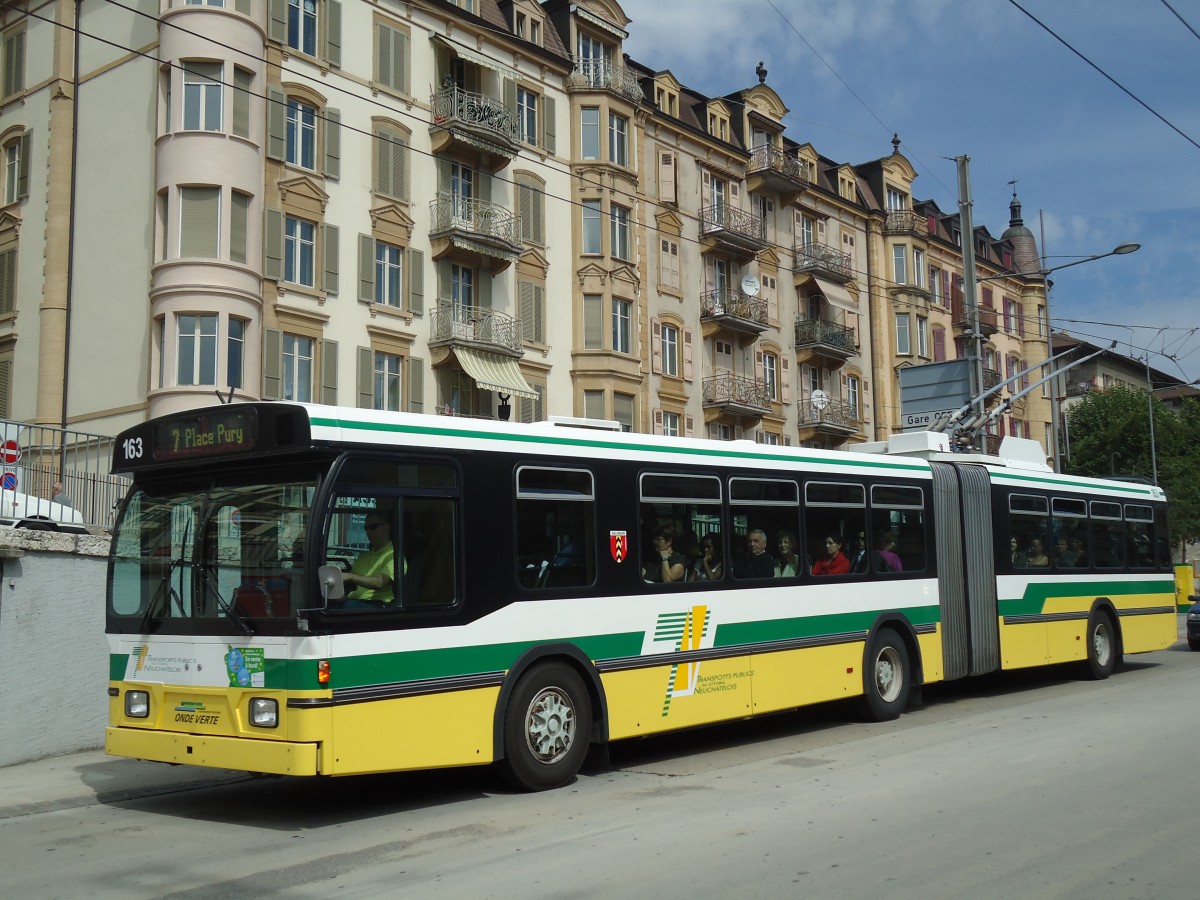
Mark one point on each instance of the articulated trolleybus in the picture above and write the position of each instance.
(309, 590)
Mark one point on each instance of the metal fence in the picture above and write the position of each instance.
(73, 468)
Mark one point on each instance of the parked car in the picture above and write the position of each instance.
(18, 510)
(1193, 623)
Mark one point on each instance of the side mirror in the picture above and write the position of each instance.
(332, 586)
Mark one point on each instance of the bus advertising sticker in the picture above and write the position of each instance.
(247, 667)
(618, 545)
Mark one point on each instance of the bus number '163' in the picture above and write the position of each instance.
(132, 447)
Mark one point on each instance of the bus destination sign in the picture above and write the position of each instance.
(206, 434)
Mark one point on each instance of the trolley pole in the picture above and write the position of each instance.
(974, 334)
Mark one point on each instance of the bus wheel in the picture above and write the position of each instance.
(1103, 651)
(546, 728)
(886, 678)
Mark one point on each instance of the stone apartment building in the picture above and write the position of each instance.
(476, 207)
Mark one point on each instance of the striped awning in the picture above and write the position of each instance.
(836, 294)
(478, 58)
(493, 372)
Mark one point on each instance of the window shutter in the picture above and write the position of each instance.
(272, 365)
(549, 140)
(333, 32)
(786, 378)
(366, 268)
(23, 164)
(539, 315)
(735, 195)
(400, 61)
(655, 347)
(365, 379)
(416, 385)
(416, 281)
(8, 280)
(276, 122)
(510, 95)
(593, 322)
(385, 176)
(689, 426)
(273, 246)
(242, 6)
(241, 101)
(666, 177)
(658, 421)
(758, 367)
(688, 366)
(333, 143)
(5, 388)
(385, 69)
(239, 213)
(199, 214)
(525, 211)
(277, 20)
(329, 357)
(525, 305)
(329, 238)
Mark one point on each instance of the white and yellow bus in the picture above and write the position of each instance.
(518, 604)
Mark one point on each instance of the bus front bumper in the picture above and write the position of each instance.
(214, 751)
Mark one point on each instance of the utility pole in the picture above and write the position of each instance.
(974, 335)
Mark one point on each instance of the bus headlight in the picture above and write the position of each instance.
(137, 704)
(264, 712)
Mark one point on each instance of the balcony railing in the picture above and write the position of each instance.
(605, 76)
(991, 378)
(987, 317)
(831, 414)
(728, 389)
(722, 217)
(829, 334)
(815, 257)
(905, 221)
(476, 325)
(771, 160)
(1079, 388)
(453, 105)
(732, 302)
(452, 212)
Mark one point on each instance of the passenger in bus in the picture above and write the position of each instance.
(1019, 558)
(756, 562)
(858, 555)
(834, 561)
(886, 557)
(666, 564)
(1037, 554)
(371, 572)
(708, 566)
(1079, 550)
(1063, 557)
(788, 563)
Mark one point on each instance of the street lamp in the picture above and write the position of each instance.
(1119, 250)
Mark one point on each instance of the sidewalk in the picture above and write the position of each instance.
(91, 777)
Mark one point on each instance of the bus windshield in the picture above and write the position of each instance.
(230, 548)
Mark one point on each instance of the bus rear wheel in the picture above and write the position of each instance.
(547, 727)
(887, 678)
(1103, 648)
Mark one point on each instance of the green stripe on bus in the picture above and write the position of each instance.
(572, 441)
(801, 627)
(1033, 602)
(1116, 487)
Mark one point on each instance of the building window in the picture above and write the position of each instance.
(297, 368)
(623, 411)
(922, 336)
(197, 350)
(299, 251)
(391, 163)
(668, 263)
(595, 60)
(391, 57)
(896, 200)
(387, 381)
(852, 395)
(302, 26)
(899, 264)
(527, 115)
(199, 223)
(301, 134)
(770, 363)
(593, 322)
(621, 342)
(8, 278)
(939, 344)
(531, 209)
(591, 226)
(389, 275)
(235, 349)
(918, 267)
(903, 345)
(618, 139)
(589, 134)
(202, 96)
(14, 63)
(462, 289)
(670, 424)
(620, 232)
(935, 286)
(593, 404)
(670, 350)
(16, 169)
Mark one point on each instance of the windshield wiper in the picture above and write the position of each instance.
(223, 604)
(165, 589)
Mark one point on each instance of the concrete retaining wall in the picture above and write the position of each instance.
(53, 654)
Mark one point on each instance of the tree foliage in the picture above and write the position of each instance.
(1108, 433)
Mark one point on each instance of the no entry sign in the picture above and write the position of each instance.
(10, 452)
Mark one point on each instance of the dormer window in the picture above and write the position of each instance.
(845, 186)
(667, 101)
(522, 24)
(718, 125)
(897, 201)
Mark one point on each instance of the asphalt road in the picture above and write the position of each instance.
(1026, 785)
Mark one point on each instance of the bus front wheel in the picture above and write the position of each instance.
(1103, 649)
(546, 728)
(887, 678)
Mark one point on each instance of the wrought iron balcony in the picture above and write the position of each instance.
(1080, 388)
(775, 170)
(475, 325)
(825, 339)
(591, 76)
(991, 378)
(737, 394)
(482, 122)
(828, 416)
(824, 261)
(735, 309)
(474, 225)
(732, 229)
(961, 318)
(905, 221)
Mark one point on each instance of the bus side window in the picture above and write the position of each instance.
(835, 514)
(1106, 533)
(687, 508)
(1028, 518)
(766, 516)
(897, 529)
(555, 527)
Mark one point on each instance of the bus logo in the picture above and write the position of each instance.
(687, 631)
(140, 654)
(618, 544)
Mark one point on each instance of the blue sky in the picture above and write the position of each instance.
(1094, 167)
